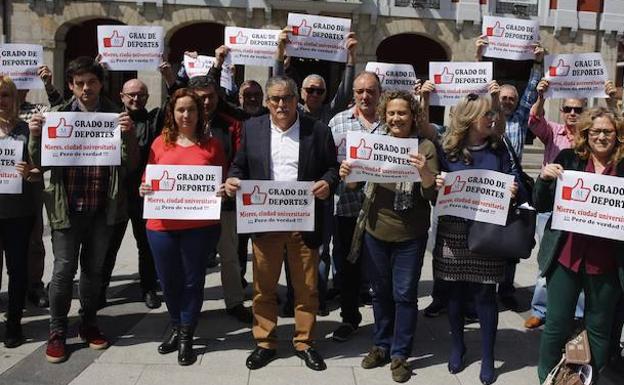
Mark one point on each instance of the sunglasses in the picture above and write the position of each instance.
(595, 132)
(312, 90)
(276, 99)
(568, 109)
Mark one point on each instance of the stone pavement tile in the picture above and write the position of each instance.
(191, 375)
(287, 376)
(8, 359)
(152, 326)
(106, 374)
(137, 351)
(437, 375)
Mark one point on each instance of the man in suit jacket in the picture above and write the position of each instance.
(286, 146)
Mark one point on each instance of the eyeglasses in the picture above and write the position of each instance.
(312, 90)
(135, 95)
(594, 133)
(276, 99)
(568, 109)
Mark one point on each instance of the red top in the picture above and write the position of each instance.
(207, 153)
(597, 254)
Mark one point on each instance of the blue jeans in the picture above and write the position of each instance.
(394, 269)
(181, 258)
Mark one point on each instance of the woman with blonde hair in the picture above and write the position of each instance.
(474, 141)
(394, 221)
(16, 210)
(572, 262)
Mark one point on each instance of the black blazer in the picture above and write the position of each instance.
(317, 160)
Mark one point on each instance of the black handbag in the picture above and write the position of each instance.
(512, 241)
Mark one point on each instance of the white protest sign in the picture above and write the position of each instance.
(11, 152)
(575, 75)
(200, 65)
(318, 37)
(80, 139)
(381, 158)
(340, 141)
(591, 204)
(264, 206)
(394, 76)
(509, 38)
(454, 80)
(182, 192)
(20, 62)
(478, 195)
(130, 47)
(250, 46)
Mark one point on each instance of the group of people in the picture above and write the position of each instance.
(379, 231)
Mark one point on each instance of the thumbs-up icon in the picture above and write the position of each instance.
(576, 193)
(361, 151)
(61, 130)
(380, 75)
(115, 40)
(446, 77)
(456, 186)
(255, 197)
(164, 183)
(496, 30)
(239, 38)
(561, 69)
(302, 29)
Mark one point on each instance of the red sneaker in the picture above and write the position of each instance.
(55, 350)
(92, 336)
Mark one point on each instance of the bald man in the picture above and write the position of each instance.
(134, 95)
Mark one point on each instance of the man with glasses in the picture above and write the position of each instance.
(148, 125)
(556, 137)
(286, 146)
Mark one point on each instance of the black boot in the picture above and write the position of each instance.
(186, 355)
(170, 343)
(13, 336)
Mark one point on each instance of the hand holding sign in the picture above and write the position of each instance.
(496, 30)
(576, 193)
(62, 130)
(164, 183)
(446, 77)
(561, 69)
(456, 186)
(115, 40)
(302, 29)
(255, 197)
(239, 38)
(361, 151)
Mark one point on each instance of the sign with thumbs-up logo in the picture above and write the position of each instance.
(114, 40)
(239, 38)
(251, 46)
(454, 80)
(361, 151)
(581, 75)
(11, 152)
(510, 38)
(266, 205)
(130, 47)
(318, 37)
(589, 203)
(394, 76)
(455, 187)
(164, 183)
(60, 130)
(22, 64)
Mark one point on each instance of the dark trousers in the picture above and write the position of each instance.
(394, 269)
(15, 234)
(180, 258)
(349, 274)
(147, 271)
(601, 297)
(506, 288)
(85, 242)
(36, 249)
(243, 244)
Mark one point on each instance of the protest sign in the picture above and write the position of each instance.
(591, 204)
(264, 206)
(318, 37)
(381, 158)
(454, 80)
(340, 140)
(575, 75)
(509, 38)
(478, 195)
(80, 139)
(20, 62)
(182, 192)
(394, 76)
(11, 152)
(250, 46)
(130, 47)
(200, 65)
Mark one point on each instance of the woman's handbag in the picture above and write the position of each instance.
(512, 241)
(573, 368)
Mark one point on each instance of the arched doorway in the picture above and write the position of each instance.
(417, 50)
(80, 40)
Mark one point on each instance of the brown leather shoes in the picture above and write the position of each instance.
(533, 322)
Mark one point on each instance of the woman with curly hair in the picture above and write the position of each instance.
(394, 221)
(473, 142)
(179, 246)
(572, 262)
